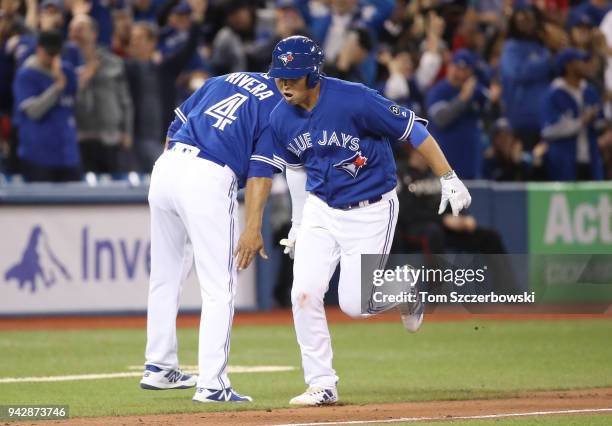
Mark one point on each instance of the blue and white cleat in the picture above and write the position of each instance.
(316, 396)
(155, 378)
(223, 395)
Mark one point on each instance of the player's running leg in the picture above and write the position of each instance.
(369, 230)
(316, 258)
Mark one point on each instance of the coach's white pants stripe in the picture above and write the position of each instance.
(230, 266)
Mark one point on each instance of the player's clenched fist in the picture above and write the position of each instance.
(455, 193)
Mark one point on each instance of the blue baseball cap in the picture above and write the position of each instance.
(285, 4)
(464, 57)
(579, 19)
(183, 8)
(570, 54)
(59, 4)
(502, 124)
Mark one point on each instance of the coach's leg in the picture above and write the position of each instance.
(367, 230)
(316, 258)
(171, 261)
(211, 215)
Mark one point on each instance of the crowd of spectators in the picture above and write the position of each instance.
(513, 90)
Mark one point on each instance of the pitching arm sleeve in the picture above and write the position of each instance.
(296, 181)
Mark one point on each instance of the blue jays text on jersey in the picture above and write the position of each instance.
(344, 142)
(226, 118)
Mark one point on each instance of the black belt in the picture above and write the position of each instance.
(360, 203)
(200, 154)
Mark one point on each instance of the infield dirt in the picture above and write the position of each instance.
(522, 403)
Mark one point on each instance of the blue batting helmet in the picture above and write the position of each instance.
(296, 57)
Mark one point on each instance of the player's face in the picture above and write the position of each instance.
(295, 91)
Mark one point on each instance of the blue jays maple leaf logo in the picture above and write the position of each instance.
(286, 58)
(353, 164)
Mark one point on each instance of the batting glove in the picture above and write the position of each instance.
(455, 193)
(289, 242)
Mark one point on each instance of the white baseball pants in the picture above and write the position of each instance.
(328, 236)
(193, 214)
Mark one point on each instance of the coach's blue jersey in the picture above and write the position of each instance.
(227, 117)
(344, 142)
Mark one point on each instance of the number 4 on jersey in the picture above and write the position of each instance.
(225, 110)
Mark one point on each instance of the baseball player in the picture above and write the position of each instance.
(340, 134)
(193, 205)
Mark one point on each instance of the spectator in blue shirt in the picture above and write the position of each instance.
(526, 68)
(50, 18)
(172, 38)
(44, 90)
(455, 107)
(571, 119)
(331, 28)
(585, 36)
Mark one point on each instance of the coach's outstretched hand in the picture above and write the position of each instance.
(249, 244)
(455, 193)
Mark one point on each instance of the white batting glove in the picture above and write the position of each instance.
(455, 193)
(289, 242)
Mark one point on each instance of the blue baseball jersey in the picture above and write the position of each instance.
(562, 107)
(343, 143)
(461, 139)
(50, 140)
(227, 117)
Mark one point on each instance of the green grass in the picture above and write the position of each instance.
(376, 362)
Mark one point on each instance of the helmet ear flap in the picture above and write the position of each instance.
(312, 78)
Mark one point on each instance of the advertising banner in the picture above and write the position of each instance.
(85, 259)
(570, 218)
(570, 240)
